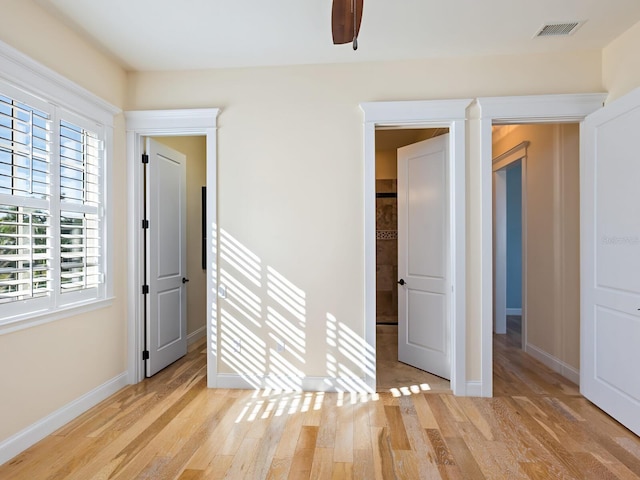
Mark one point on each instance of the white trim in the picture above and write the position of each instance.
(540, 108)
(524, 338)
(164, 123)
(525, 109)
(501, 164)
(474, 389)
(172, 122)
(512, 155)
(415, 113)
(271, 382)
(439, 113)
(500, 251)
(34, 319)
(196, 335)
(514, 311)
(107, 195)
(24, 72)
(554, 363)
(22, 440)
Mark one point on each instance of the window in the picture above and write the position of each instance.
(80, 193)
(25, 184)
(52, 207)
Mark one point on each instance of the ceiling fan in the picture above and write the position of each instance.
(346, 16)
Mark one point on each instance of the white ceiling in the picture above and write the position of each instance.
(199, 34)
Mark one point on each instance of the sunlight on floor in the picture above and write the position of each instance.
(268, 403)
(412, 390)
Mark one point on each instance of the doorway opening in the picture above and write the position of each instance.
(167, 123)
(392, 374)
(449, 114)
(168, 337)
(536, 242)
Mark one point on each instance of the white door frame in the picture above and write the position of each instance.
(449, 114)
(500, 164)
(571, 108)
(166, 123)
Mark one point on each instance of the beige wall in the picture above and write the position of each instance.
(195, 148)
(54, 45)
(46, 367)
(386, 164)
(569, 230)
(290, 168)
(552, 236)
(621, 64)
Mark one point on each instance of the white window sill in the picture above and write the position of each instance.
(13, 325)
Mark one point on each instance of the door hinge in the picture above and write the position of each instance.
(145, 224)
(145, 289)
(145, 158)
(145, 355)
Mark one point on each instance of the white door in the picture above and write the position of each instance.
(166, 211)
(610, 256)
(423, 256)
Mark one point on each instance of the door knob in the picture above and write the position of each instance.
(184, 280)
(401, 281)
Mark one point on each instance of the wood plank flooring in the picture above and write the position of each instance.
(392, 374)
(172, 427)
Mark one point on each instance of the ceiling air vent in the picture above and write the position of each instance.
(558, 29)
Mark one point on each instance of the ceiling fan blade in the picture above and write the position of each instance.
(342, 20)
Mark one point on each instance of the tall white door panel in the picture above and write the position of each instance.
(166, 211)
(423, 256)
(610, 239)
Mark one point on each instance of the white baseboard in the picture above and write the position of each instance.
(310, 384)
(296, 384)
(554, 363)
(474, 389)
(196, 335)
(22, 440)
(514, 311)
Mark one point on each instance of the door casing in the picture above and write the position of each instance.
(449, 114)
(500, 167)
(158, 123)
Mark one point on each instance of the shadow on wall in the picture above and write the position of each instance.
(262, 329)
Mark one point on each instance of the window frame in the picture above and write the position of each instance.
(59, 206)
(27, 81)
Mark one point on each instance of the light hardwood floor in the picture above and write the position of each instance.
(391, 374)
(172, 427)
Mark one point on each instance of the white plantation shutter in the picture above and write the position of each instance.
(25, 198)
(51, 207)
(79, 251)
(80, 194)
(24, 150)
(25, 253)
